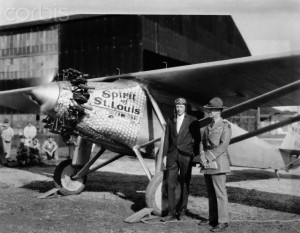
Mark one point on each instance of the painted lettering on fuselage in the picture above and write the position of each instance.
(117, 114)
(121, 101)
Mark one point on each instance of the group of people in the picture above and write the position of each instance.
(28, 150)
(183, 140)
(28, 154)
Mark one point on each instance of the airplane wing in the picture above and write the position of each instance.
(235, 80)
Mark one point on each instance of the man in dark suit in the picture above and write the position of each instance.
(181, 132)
(215, 139)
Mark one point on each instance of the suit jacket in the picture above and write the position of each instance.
(182, 142)
(214, 142)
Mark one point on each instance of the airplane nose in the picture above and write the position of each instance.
(46, 96)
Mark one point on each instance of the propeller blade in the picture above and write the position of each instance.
(19, 99)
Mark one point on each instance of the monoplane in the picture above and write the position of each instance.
(126, 113)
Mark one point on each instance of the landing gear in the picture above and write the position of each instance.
(156, 193)
(71, 179)
(63, 179)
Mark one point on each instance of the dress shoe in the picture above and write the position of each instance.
(220, 227)
(181, 215)
(168, 218)
(181, 212)
(204, 222)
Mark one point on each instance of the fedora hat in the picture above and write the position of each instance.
(215, 103)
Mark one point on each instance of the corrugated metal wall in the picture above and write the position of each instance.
(98, 46)
(193, 39)
(27, 55)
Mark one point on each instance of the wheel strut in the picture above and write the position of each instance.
(84, 171)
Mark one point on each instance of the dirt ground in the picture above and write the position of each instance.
(258, 201)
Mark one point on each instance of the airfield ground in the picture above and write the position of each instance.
(258, 202)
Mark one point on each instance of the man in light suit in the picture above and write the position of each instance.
(7, 135)
(215, 139)
(181, 132)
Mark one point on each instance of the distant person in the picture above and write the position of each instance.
(2, 153)
(7, 135)
(215, 139)
(29, 132)
(50, 147)
(34, 151)
(22, 152)
(19, 130)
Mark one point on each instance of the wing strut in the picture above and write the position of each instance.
(159, 159)
(265, 129)
(264, 98)
(255, 102)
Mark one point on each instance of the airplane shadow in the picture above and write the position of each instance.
(251, 197)
(132, 187)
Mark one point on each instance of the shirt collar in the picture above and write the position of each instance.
(218, 120)
(181, 117)
(216, 123)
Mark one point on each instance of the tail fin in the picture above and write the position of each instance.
(291, 142)
(291, 145)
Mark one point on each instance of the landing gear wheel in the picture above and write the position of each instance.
(62, 179)
(156, 194)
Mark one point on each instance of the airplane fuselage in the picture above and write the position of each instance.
(115, 115)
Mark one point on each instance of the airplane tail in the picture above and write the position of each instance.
(253, 152)
(291, 146)
(256, 153)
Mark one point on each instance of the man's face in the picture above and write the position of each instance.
(214, 113)
(50, 139)
(180, 109)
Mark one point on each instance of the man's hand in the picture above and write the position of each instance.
(203, 161)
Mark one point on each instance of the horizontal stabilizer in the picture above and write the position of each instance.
(291, 142)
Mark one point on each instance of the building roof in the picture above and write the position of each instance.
(46, 21)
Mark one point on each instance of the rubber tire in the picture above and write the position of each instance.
(156, 194)
(62, 179)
